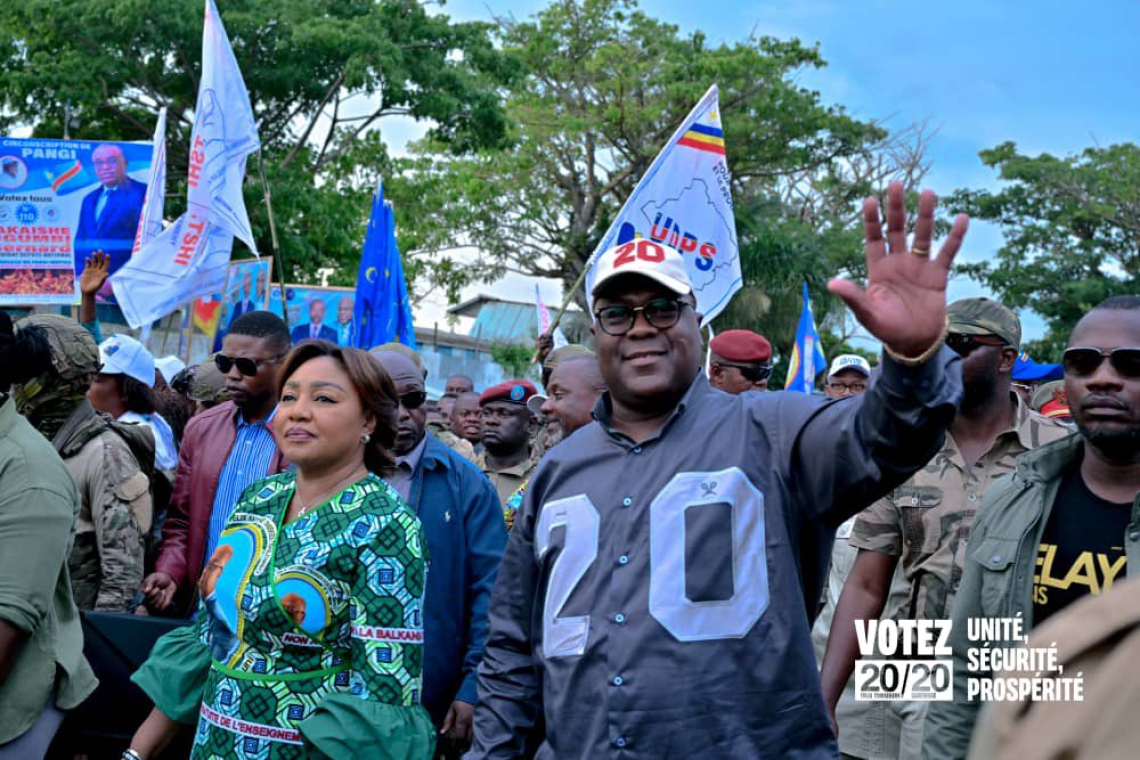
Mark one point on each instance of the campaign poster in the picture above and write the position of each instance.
(324, 313)
(246, 290)
(60, 201)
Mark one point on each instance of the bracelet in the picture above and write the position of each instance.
(130, 754)
(925, 356)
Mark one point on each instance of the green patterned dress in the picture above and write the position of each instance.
(309, 640)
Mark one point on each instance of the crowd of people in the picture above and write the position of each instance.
(653, 557)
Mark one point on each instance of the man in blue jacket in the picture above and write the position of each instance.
(463, 525)
(109, 216)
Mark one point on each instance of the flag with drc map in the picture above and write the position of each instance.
(684, 202)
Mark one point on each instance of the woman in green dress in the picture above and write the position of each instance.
(309, 638)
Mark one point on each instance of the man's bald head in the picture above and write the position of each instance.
(403, 371)
(583, 369)
(574, 388)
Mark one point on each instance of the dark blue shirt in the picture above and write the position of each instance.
(465, 533)
(651, 598)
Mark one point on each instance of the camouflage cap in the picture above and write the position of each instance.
(984, 316)
(207, 383)
(559, 355)
(74, 353)
(400, 348)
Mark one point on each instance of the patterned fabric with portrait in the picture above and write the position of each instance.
(298, 617)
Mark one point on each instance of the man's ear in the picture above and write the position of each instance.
(1008, 359)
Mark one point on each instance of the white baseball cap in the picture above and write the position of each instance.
(123, 355)
(659, 263)
(169, 366)
(849, 361)
(534, 404)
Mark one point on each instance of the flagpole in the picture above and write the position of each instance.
(566, 303)
(277, 255)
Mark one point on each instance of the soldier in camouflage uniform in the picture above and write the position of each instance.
(925, 523)
(454, 442)
(507, 458)
(103, 457)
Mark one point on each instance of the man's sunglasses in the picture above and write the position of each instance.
(661, 313)
(1082, 361)
(753, 373)
(413, 399)
(964, 344)
(247, 367)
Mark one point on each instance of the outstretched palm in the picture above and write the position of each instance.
(904, 304)
(94, 273)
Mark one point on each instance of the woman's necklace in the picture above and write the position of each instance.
(306, 507)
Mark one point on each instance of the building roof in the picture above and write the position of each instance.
(498, 320)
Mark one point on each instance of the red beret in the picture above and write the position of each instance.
(741, 346)
(515, 391)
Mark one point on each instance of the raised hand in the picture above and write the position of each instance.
(95, 273)
(904, 303)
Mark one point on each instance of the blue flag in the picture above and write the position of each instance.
(383, 313)
(807, 357)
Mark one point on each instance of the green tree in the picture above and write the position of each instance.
(1072, 233)
(604, 87)
(323, 76)
(514, 358)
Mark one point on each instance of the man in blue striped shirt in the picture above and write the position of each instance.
(224, 450)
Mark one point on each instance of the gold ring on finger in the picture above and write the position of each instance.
(920, 251)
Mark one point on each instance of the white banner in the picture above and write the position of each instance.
(190, 257)
(150, 220)
(684, 202)
(544, 320)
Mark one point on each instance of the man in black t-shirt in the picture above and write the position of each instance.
(1067, 524)
(1082, 549)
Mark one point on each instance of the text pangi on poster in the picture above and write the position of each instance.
(61, 200)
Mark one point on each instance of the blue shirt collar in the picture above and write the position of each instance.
(239, 418)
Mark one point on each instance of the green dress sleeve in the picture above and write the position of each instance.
(174, 676)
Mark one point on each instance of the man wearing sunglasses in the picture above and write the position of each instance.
(465, 535)
(224, 449)
(1067, 524)
(650, 602)
(924, 525)
(739, 361)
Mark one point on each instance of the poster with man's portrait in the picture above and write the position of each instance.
(247, 289)
(317, 313)
(60, 201)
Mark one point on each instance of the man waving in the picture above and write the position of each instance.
(649, 603)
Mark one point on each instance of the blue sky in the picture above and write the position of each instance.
(1051, 76)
